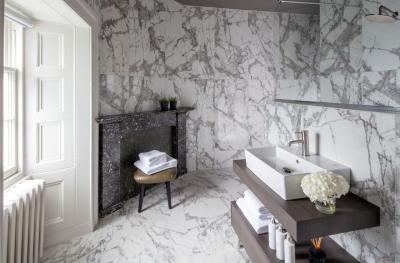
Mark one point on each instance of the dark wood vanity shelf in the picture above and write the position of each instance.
(257, 245)
(301, 219)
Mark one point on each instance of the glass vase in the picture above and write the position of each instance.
(328, 207)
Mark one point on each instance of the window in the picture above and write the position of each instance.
(11, 97)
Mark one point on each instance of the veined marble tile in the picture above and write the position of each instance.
(381, 46)
(259, 93)
(121, 93)
(201, 127)
(243, 43)
(340, 25)
(251, 39)
(197, 229)
(160, 5)
(223, 51)
(341, 88)
(114, 40)
(282, 120)
(240, 108)
(298, 42)
(231, 109)
(380, 88)
(171, 46)
(356, 3)
(306, 88)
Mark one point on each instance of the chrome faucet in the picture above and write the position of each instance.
(304, 142)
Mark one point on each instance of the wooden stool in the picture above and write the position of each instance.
(142, 179)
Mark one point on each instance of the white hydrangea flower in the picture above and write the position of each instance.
(324, 185)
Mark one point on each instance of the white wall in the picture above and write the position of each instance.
(91, 17)
(1, 114)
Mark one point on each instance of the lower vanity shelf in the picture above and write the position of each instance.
(257, 245)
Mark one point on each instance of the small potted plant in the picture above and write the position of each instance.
(172, 103)
(323, 188)
(164, 103)
(316, 254)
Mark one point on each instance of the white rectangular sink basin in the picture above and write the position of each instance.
(283, 168)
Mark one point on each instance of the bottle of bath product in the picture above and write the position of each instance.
(290, 255)
(272, 226)
(280, 238)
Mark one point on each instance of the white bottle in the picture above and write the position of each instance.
(280, 238)
(290, 253)
(272, 226)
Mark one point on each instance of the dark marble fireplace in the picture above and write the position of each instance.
(122, 137)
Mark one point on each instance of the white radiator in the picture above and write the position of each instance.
(23, 222)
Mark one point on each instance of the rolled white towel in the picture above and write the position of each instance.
(260, 226)
(170, 163)
(151, 156)
(255, 202)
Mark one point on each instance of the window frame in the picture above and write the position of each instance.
(13, 175)
(15, 169)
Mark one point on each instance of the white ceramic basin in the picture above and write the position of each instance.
(283, 168)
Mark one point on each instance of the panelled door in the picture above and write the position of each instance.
(50, 119)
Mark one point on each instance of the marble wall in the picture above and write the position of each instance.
(219, 61)
(223, 62)
(357, 61)
(297, 56)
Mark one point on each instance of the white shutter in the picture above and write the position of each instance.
(50, 119)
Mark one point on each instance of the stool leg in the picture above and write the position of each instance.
(168, 186)
(141, 194)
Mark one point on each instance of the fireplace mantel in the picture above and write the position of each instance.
(107, 119)
(113, 128)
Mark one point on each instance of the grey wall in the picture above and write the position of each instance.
(222, 62)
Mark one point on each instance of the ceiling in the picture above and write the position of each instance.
(56, 11)
(260, 5)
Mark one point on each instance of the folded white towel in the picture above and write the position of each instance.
(155, 162)
(255, 202)
(260, 226)
(170, 163)
(255, 212)
(151, 156)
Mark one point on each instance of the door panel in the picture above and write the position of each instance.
(50, 142)
(50, 95)
(50, 118)
(50, 47)
(59, 208)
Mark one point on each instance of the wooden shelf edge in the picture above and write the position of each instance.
(258, 251)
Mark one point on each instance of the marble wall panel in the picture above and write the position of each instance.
(340, 39)
(201, 127)
(298, 45)
(115, 37)
(380, 88)
(380, 41)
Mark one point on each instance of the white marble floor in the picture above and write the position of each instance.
(197, 229)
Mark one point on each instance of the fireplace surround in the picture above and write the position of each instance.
(114, 130)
